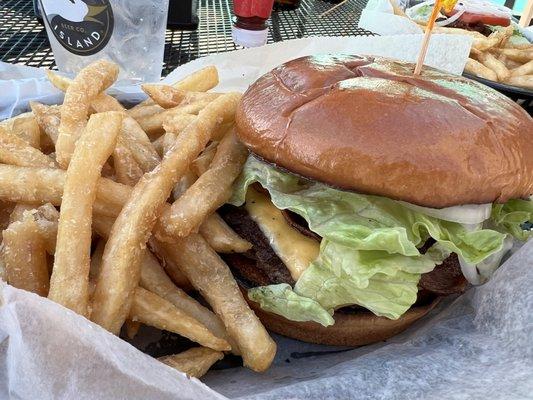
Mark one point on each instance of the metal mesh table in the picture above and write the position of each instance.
(23, 38)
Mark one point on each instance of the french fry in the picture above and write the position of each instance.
(485, 43)
(48, 118)
(59, 81)
(502, 35)
(101, 103)
(202, 162)
(495, 39)
(45, 185)
(522, 46)
(194, 362)
(169, 97)
(47, 218)
(221, 237)
(18, 212)
(6, 209)
(102, 226)
(139, 144)
(127, 170)
(523, 81)
(159, 145)
(521, 56)
(25, 127)
(24, 255)
(153, 124)
(3, 272)
(150, 309)
(134, 137)
(526, 69)
(173, 272)
(476, 68)
(121, 263)
(70, 277)
(209, 192)
(154, 279)
(95, 264)
(168, 141)
(88, 84)
(213, 279)
(31, 185)
(163, 95)
(499, 68)
(511, 64)
(15, 151)
(175, 123)
(144, 111)
(185, 182)
(199, 81)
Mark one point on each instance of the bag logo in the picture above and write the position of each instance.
(83, 27)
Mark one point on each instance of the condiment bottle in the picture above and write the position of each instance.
(250, 27)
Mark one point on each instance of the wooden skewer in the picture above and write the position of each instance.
(333, 8)
(527, 14)
(427, 36)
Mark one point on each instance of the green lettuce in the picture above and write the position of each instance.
(282, 300)
(510, 218)
(369, 252)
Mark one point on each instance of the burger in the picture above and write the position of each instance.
(370, 194)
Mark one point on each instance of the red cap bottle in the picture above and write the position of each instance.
(250, 27)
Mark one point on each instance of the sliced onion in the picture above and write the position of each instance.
(466, 214)
(478, 274)
(450, 20)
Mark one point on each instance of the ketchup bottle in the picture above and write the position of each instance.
(250, 23)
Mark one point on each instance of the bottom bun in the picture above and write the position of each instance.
(350, 329)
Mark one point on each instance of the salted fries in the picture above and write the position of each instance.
(497, 58)
(112, 212)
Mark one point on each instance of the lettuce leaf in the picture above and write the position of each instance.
(369, 252)
(510, 218)
(282, 300)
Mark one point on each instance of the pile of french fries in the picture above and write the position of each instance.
(498, 59)
(112, 212)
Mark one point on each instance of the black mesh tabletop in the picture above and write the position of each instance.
(23, 38)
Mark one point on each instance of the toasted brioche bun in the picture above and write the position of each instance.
(368, 125)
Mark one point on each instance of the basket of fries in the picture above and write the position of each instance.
(100, 163)
(501, 54)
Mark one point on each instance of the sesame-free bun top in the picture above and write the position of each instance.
(367, 124)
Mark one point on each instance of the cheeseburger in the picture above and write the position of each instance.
(370, 194)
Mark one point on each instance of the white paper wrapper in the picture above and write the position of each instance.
(480, 346)
(378, 17)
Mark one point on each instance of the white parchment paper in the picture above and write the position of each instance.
(479, 346)
(378, 17)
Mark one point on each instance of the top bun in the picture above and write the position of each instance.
(367, 124)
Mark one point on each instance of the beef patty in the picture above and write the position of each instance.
(260, 266)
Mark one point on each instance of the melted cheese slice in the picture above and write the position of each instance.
(296, 250)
